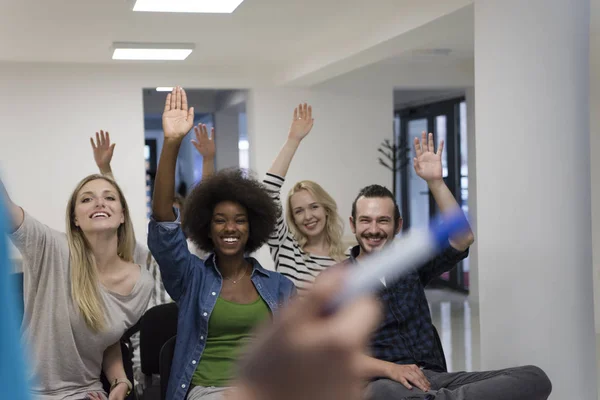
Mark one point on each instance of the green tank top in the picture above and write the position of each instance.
(230, 327)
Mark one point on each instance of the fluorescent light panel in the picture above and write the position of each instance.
(164, 89)
(151, 52)
(188, 6)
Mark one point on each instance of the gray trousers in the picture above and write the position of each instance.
(206, 393)
(521, 383)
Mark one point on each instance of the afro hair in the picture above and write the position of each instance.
(229, 185)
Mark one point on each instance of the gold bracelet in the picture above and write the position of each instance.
(125, 381)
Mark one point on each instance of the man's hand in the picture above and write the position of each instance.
(428, 162)
(409, 375)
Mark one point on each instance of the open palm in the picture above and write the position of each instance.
(428, 162)
(177, 118)
(204, 144)
(302, 122)
(103, 150)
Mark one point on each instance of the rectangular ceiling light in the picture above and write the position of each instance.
(188, 6)
(151, 52)
(164, 89)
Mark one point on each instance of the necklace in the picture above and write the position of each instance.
(235, 281)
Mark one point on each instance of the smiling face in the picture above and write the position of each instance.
(309, 216)
(98, 207)
(229, 228)
(373, 225)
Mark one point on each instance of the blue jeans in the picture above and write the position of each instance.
(521, 383)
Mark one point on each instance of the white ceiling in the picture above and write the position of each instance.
(304, 42)
(414, 98)
(438, 55)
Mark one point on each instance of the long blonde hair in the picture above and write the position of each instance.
(334, 226)
(84, 275)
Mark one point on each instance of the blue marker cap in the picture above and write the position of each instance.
(447, 225)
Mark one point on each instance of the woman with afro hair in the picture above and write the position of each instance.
(221, 300)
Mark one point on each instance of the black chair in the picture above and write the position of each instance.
(166, 358)
(157, 326)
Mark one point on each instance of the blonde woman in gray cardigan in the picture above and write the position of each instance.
(81, 292)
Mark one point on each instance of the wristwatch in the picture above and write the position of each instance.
(125, 381)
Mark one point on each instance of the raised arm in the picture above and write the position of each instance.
(177, 122)
(205, 145)
(15, 213)
(428, 166)
(166, 240)
(103, 152)
(302, 123)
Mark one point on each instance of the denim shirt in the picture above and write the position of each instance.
(195, 286)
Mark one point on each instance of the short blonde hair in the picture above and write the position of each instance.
(334, 226)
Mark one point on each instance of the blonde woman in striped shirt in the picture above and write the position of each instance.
(309, 238)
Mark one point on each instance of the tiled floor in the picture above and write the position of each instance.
(458, 326)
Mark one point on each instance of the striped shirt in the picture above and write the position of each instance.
(290, 260)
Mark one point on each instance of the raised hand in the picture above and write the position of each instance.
(204, 144)
(428, 162)
(177, 118)
(103, 150)
(302, 122)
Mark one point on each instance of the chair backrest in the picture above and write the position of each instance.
(157, 325)
(166, 358)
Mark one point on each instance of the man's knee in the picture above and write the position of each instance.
(385, 389)
(538, 379)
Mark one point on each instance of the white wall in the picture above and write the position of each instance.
(472, 202)
(341, 151)
(49, 111)
(48, 114)
(533, 219)
(595, 150)
(54, 109)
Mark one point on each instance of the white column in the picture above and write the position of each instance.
(533, 189)
(472, 202)
(595, 161)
